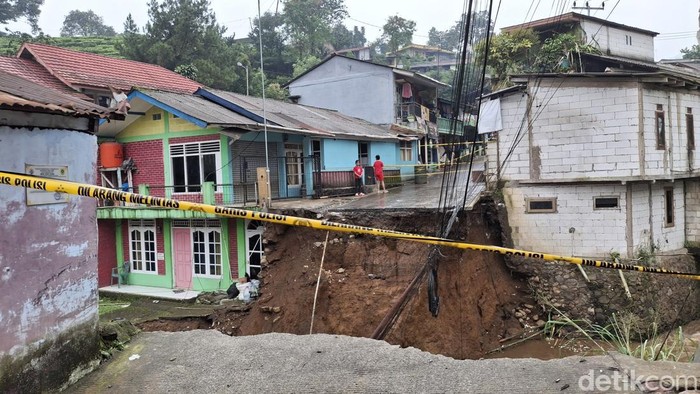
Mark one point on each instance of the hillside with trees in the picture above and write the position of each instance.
(185, 36)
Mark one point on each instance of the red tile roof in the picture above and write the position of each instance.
(33, 71)
(80, 69)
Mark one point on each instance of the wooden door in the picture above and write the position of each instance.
(182, 250)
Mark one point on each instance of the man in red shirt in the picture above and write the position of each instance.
(379, 174)
(358, 171)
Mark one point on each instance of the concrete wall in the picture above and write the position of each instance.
(593, 131)
(597, 232)
(339, 154)
(354, 88)
(692, 210)
(617, 42)
(387, 150)
(636, 226)
(48, 265)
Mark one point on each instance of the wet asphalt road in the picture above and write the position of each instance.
(207, 361)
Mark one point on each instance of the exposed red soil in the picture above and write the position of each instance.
(363, 276)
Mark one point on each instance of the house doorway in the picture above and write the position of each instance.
(295, 168)
(363, 153)
(182, 248)
(254, 247)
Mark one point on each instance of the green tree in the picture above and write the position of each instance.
(187, 70)
(304, 64)
(277, 55)
(309, 24)
(276, 91)
(184, 33)
(521, 51)
(692, 52)
(12, 10)
(343, 38)
(452, 38)
(85, 24)
(509, 53)
(397, 32)
(559, 53)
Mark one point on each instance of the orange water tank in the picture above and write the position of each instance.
(111, 154)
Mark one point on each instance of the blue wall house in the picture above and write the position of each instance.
(405, 101)
(317, 147)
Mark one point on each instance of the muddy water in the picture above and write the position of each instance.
(545, 349)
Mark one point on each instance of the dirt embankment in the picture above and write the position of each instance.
(364, 275)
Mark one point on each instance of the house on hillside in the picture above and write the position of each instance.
(403, 100)
(210, 148)
(422, 58)
(613, 39)
(600, 161)
(48, 310)
(360, 53)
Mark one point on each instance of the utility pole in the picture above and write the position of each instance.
(588, 7)
(697, 36)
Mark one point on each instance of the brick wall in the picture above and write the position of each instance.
(106, 251)
(233, 248)
(148, 158)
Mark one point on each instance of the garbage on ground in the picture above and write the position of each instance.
(248, 290)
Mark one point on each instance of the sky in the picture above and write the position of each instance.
(677, 24)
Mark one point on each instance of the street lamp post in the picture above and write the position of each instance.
(247, 92)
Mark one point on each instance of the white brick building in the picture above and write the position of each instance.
(594, 163)
(613, 39)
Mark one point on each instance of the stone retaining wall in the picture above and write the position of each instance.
(654, 297)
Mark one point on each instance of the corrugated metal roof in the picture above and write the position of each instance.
(20, 93)
(200, 108)
(407, 73)
(307, 118)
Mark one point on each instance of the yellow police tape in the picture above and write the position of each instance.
(103, 193)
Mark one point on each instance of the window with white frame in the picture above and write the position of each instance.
(142, 243)
(406, 150)
(206, 251)
(195, 163)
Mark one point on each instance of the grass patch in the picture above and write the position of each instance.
(625, 333)
(108, 305)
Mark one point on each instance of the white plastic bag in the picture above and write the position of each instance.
(244, 291)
